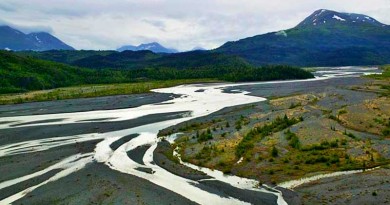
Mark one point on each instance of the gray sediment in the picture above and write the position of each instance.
(98, 184)
(160, 158)
(138, 153)
(19, 134)
(253, 197)
(15, 166)
(84, 104)
(115, 145)
(11, 190)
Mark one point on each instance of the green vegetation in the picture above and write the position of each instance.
(21, 74)
(271, 150)
(279, 124)
(351, 135)
(64, 56)
(196, 64)
(322, 146)
(204, 136)
(293, 139)
(321, 45)
(274, 152)
(385, 74)
(85, 91)
(293, 105)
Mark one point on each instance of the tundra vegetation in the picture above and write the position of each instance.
(294, 136)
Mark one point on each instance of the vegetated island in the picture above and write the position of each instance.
(324, 129)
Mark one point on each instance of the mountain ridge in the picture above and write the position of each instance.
(13, 39)
(337, 42)
(154, 46)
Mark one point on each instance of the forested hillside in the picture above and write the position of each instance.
(19, 73)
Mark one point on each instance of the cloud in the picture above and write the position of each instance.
(27, 28)
(182, 24)
(7, 8)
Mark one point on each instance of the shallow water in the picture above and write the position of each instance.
(295, 183)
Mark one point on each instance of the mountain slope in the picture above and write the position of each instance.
(64, 56)
(148, 59)
(155, 47)
(325, 38)
(19, 73)
(12, 39)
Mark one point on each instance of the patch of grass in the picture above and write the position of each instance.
(332, 117)
(293, 105)
(351, 135)
(322, 146)
(87, 91)
(341, 112)
(385, 74)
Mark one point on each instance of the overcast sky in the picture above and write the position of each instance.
(180, 24)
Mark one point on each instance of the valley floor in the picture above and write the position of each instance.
(340, 124)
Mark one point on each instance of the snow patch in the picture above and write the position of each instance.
(39, 40)
(338, 18)
(322, 11)
(281, 33)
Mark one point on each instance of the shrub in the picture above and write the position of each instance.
(274, 152)
(334, 143)
(277, 125)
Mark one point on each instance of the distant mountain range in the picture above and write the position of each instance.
(12, 39)
(325, 38)
(155, 47)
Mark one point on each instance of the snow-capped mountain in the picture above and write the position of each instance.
(323, 17)
(155, 47)
(325, 38)
(12, 39)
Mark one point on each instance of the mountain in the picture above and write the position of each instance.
(12, 39)
(148, 59)
(155, 47)
(198, 48)
(64, 56)
(20, 73)
(325, 38)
